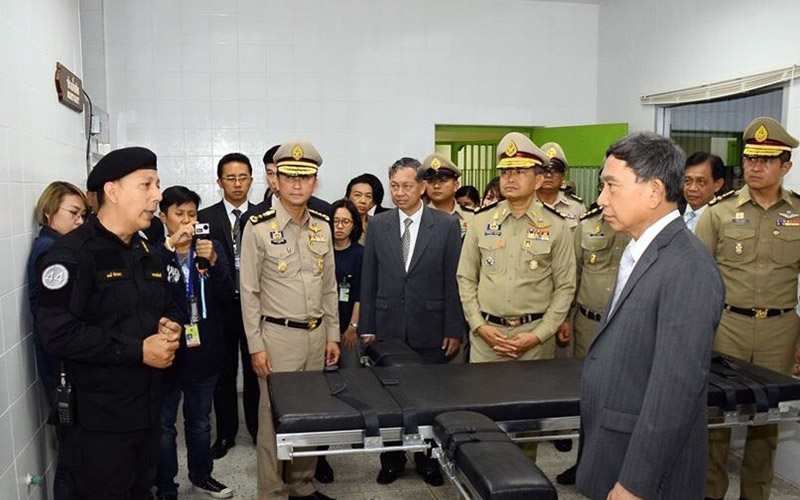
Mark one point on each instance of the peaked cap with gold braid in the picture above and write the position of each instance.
(297, 157)
(766, 137)
(518, 151)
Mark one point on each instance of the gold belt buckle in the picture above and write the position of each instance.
(760, 313)
(514, 322)
(312, 324)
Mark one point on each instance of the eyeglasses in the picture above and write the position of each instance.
(233, 179)
(342, 222)
(76, 214)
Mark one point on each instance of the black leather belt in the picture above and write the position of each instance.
(755, 312)
(303, 325)
(511, 322)
(590, 314)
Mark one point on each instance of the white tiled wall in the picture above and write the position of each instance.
(650, 46)
(40, 141)
(366, 81)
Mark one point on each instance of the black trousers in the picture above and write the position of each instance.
(109, 465)
(397, 459)
(226, 399)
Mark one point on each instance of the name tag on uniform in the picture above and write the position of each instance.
(276, 238)
(192, 332)
(493, 229)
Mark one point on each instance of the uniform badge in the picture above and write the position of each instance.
(597, 229)
(788, 214)
(276, 237)
(511, 148)
(490, 261)
(787, 222)
(527, 244)
(740, 219)
(464, 227)
(282, 267)
(534, 265)
(320, 263)
(551, 153)
(297, 152)
(493, 229)
(761, 134)
(593, 258)
(55, 277)
(173, 274)
(738, 248)
(436, 163)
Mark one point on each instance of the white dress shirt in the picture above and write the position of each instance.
(416, 217)
(633, 252)
(229, 210)
(690, 216)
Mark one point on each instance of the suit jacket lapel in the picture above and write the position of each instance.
(423, 237)
(642, 265)
(393, 238)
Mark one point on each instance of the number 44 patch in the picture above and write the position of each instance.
(55, 277)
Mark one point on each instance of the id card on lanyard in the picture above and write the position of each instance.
(191, 330)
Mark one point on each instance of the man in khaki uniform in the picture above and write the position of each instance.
(442, 177)
(516, 275)
(551, 192)
(598, 250)
(289, 303)
(754, 235)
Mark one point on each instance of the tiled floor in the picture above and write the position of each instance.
(355, 477)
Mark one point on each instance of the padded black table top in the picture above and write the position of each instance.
(522, 390)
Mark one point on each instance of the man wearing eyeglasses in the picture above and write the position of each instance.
(289, 304)
(551, 192)
(754, 235)
(226, 220)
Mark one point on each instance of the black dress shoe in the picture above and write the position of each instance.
(324, 472)
(563, 445)
(388, 476)
(430, 473)
(220, 448)
(314, 496)
(568, 476)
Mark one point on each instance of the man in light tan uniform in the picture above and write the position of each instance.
(754, 235)
(516, 275)
(551, 192)
(289, 303)
(442, 177)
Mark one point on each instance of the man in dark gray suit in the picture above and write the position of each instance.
(643, 397)
(408, 287)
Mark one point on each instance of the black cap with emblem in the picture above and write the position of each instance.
(118, 164)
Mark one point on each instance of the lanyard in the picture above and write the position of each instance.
(189, 278)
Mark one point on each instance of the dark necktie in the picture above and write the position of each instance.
(237, 240)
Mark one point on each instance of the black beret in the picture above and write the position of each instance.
(118, 164)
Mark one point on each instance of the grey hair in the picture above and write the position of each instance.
(652, 156)
(406, 162)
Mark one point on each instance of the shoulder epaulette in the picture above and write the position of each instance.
(590, 213)
(319, 215)
(721, 197)
(269, 214)
(575, 197)
(468, 209)
(795, 193)
(557, 212)
(487, 207)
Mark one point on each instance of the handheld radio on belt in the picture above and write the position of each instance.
(65, 401)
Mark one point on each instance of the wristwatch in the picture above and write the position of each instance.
(354, 324)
